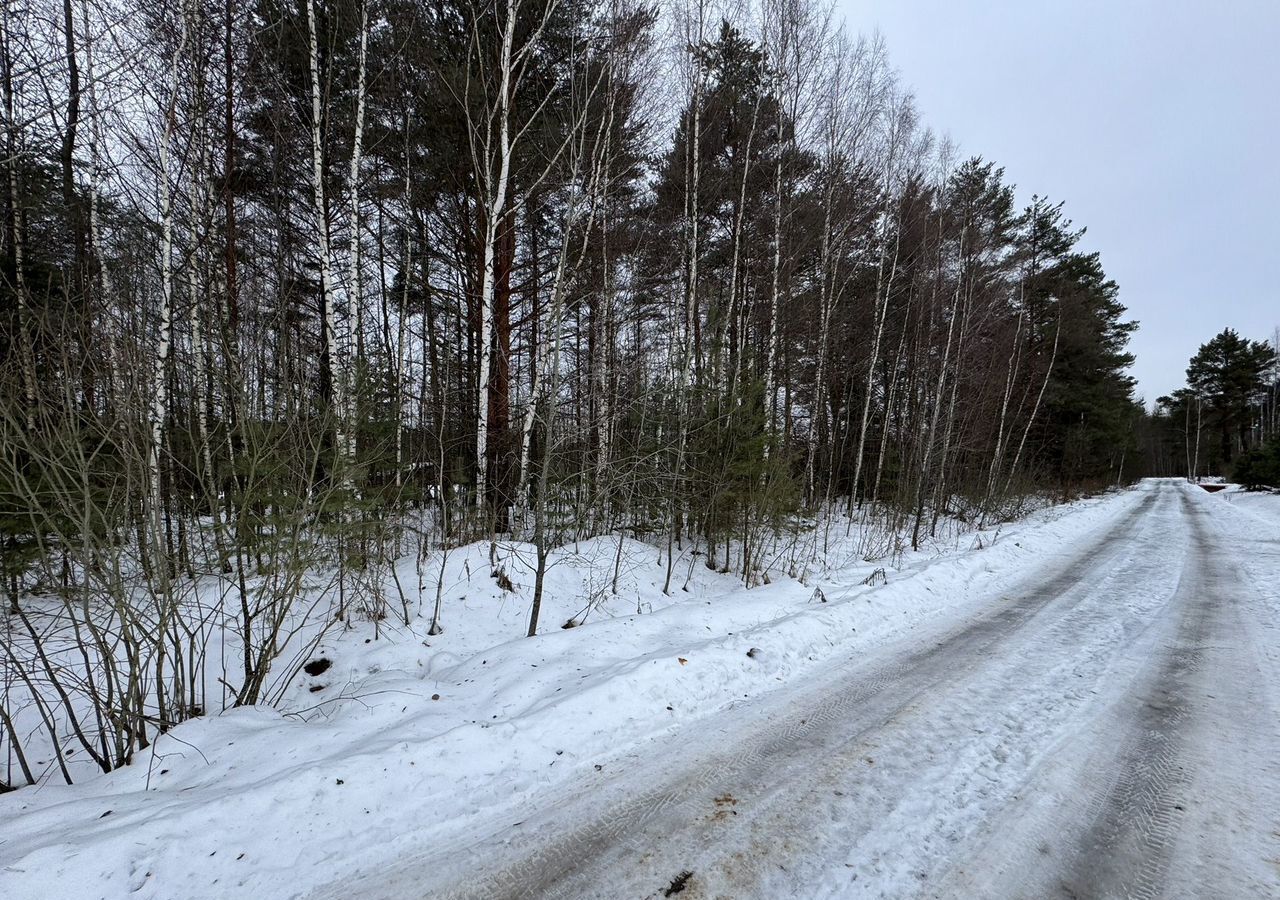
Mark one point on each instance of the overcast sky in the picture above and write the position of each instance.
(1157, 121)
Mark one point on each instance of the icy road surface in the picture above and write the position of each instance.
(1110, 728)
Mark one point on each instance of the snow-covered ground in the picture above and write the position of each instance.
(410, 749)
(1263, 506)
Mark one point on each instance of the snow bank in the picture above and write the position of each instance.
(407, 740)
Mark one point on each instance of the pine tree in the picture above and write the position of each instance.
(1229, 374)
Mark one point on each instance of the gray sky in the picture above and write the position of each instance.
(1157, 122)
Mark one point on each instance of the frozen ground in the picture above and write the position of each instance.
(1085, 707)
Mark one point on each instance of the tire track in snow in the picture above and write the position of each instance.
(1125, 850)
(624, 828)
(1171, 789)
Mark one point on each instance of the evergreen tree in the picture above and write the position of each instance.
(1089, 402)
(1228, 373)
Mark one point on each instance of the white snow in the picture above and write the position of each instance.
(410, 741)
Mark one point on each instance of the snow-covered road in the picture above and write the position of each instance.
(1083, 703)
(1109, 728)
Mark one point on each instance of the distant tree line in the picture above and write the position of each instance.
(1226, 420)
(291, 285)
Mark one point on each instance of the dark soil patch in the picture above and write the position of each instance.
(317, 666)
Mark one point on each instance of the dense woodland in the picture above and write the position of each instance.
(293, 286)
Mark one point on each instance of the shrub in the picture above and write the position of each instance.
(1260, 467)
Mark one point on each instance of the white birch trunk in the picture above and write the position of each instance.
(159, 408)
(1195, 465)
(882, 310)
(826, 290)
(1011, 374)
(884, 287)
(691, 291)
(494, 212)
(737, 249)
(330, 324)
(353, 276)
(771, 354)
(564, 264)
(1035, 410)
(604, 339)
(198, 198)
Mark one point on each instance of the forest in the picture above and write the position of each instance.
(293, 289)
(1226, 420)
